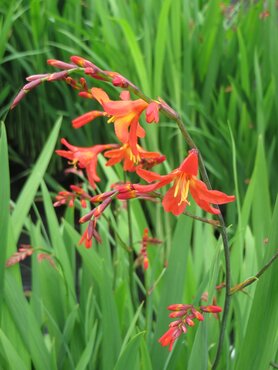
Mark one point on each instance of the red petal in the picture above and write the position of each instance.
(211, 196)
(190, 164)
(140, 131)
(121, 130)
(148, 175)
(125, 95)
(100, 95)
(86, 118)
(91, 171)
(201, 203)
(65, 154)
(172, 204)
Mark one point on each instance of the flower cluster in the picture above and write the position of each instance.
(125, 115)
(69, 197)
(185, 315)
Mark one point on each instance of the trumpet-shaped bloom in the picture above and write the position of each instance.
(130, 160)
(85, 158)
(123, 113)
(185, 181)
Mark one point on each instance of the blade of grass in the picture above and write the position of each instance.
(129, 357)
(11, 354)
(5, 206)
(22, 315)
(30, 188)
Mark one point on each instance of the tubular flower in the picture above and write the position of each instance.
(85, 158)
(123, 113)
(143, 254)
(185, 314)
(92, 217)
(131, 161)
(68, 197)
(185, 181)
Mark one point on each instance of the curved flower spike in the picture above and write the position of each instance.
(185, 181)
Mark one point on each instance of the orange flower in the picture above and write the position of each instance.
(85, 158)
(185, 313)
(131, 161)
(123, 113)
(172, 334)
(185, 181)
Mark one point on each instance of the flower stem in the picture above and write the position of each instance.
(133, 292)
(252, 279)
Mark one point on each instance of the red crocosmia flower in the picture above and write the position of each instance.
(185, 315)
(85, 158)
(86, 239)
(185, 180)
(86, 118)
(131, 161)
(125, 115)
(152, 112)
(168, 339)
(211, 309)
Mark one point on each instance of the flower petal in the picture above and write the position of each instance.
(100, 95)
(211, 196)
(202, 203)
(190, 164)
(86, 118)
(173, 204)
(148, 176)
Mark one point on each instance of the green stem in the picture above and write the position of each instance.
(131, 254)
(251, 280)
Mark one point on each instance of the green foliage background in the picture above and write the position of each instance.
(216, 64)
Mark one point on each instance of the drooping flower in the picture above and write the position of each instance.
(185, 181)
(124, 153)
(36, 80)
(68, 197)
(171, 335)
(85, 158)
(23, 252)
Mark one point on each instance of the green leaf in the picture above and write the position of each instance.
(199, 354)
(5, 206)
(11, 353)
(87, 353)
(129, 357)
(26, 323)
(262, 325)
(30, 188)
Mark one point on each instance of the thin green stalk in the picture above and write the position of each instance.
(252, 279)
(131, 255)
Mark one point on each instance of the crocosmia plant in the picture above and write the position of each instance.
(146, 175)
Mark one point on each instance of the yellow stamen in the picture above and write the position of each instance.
(182, 188)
